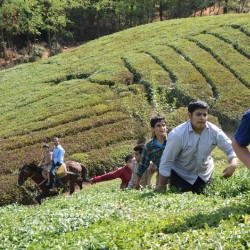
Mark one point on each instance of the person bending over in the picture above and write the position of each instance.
(124, 173)
(186, 160)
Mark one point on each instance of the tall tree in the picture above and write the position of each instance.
(55, 19)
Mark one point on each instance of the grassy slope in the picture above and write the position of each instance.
(94, 96)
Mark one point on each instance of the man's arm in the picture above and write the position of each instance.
(163, 181)
(242, 152)
(171, 151)
(132, 181)
(137, 182)
(225, 144)
(61, 155)
(142, 166)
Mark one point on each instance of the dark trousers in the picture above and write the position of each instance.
(52, 175)
(184, 186)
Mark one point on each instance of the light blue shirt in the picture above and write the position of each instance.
(188, 153)
(58, 154)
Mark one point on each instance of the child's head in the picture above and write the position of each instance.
(156, 119)
(128, 160)
(45, 147)
(159, 126)
(138, 151)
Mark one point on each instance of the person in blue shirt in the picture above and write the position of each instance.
(186, 161)
(242, 139)
(57, 160)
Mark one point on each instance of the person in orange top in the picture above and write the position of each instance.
(124, 173)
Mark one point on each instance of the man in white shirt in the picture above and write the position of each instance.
(186, 161)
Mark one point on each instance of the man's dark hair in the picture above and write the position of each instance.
(197, 105)
(156, 119)
(128, 157)
(139, 148)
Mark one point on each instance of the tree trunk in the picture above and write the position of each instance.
(49, 40)
(161, 12)
(225, 9)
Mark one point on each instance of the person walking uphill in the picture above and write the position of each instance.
(186, 160)
(57, 160)
(147, 176)
(124, 173)
(153, 149)
(242, 139)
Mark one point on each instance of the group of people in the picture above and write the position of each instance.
(183, 159)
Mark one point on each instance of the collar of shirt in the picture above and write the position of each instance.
(157, 143)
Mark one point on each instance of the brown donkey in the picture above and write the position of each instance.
(74, 171)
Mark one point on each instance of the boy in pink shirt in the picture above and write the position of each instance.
(124, 173)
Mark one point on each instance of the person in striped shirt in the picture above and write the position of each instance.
(153, 149)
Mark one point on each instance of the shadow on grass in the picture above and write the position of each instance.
(203, 221)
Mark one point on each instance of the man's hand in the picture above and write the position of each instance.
(162, 186)
(137, 182)
(161, 189)
(227, 172)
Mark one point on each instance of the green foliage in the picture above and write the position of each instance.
(104, 217)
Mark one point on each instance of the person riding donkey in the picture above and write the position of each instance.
(46, 163)
(57, 161)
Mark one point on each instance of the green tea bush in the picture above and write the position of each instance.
(234, 186)
(103, 217)
(234, 37)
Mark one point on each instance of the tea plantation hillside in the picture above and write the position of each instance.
(98, 97)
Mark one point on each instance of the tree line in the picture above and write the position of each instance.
(25, 22)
